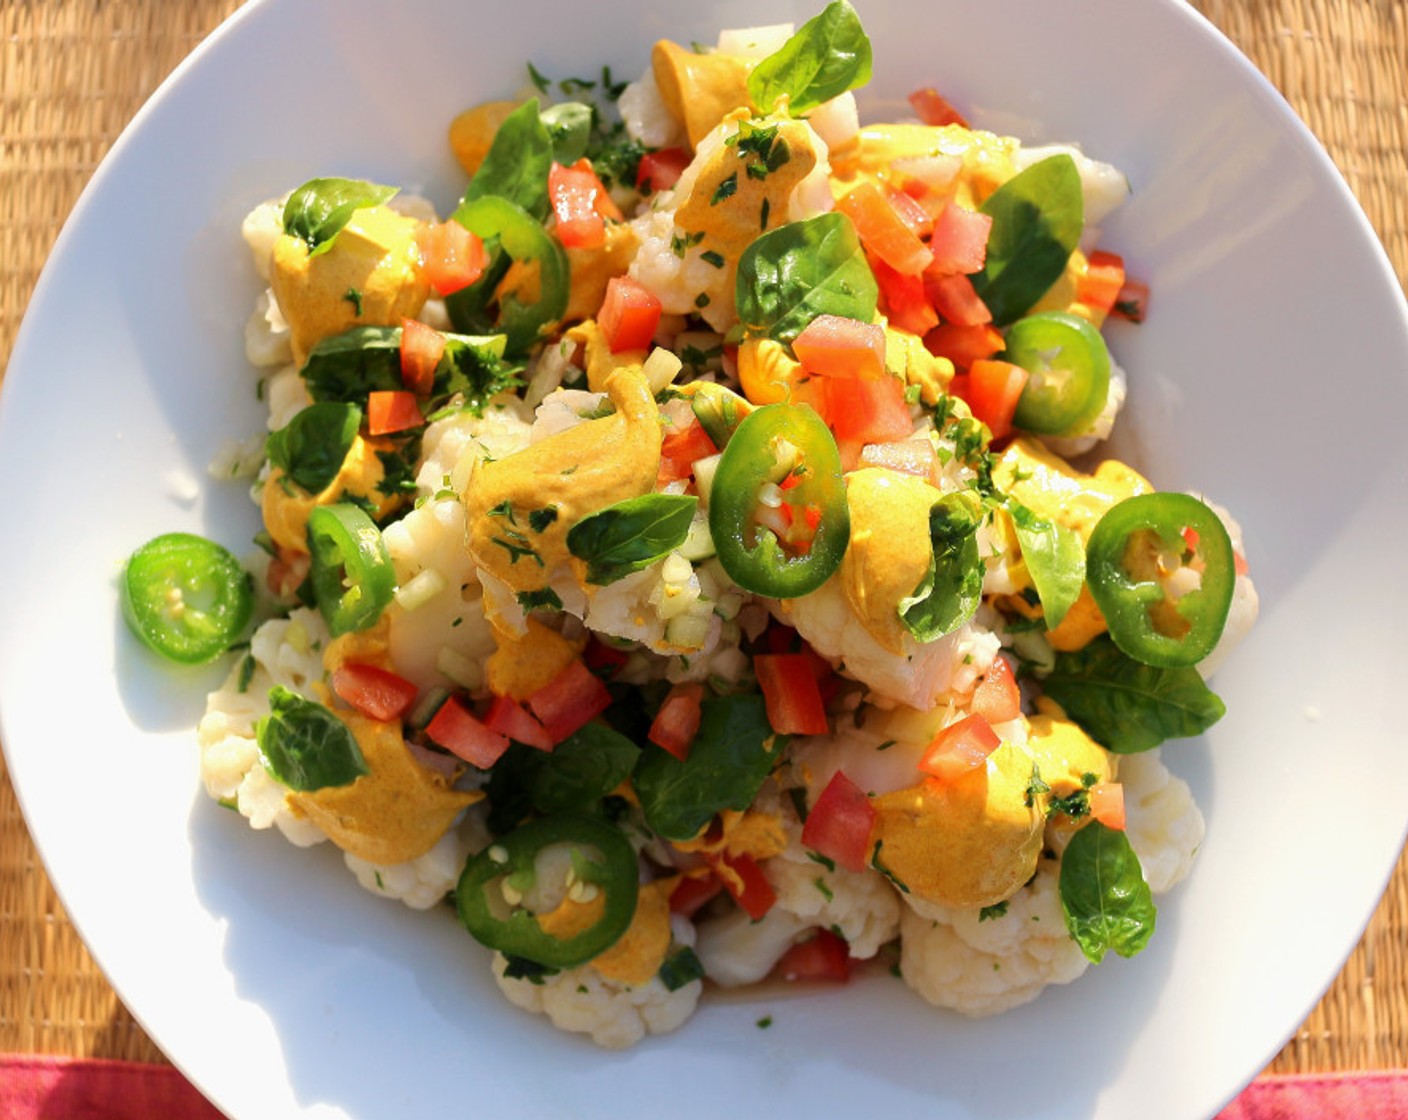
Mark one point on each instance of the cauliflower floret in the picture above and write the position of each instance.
(438, 633)
(1246, 605)
(1165, 826)
(735, 950)
(424, 881)
(923, 676)
(266, 338)
(285, 652)
(451, 446)
(1071, 447)
(1104, 186)
(615, 1015)
(981, 962)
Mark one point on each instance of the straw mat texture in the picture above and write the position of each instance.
(73, 72)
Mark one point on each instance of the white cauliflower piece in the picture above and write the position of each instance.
(1103, 186)
(736, 951)
(261, 228)
(424, 881)
(1163, 823)
(976, 965)
(924, 676)
(286, 394)
(860, 906)
(451, 446)
(646, 116)
(266, 333)
(1246, 604)
(1071, 447)
(286, 651)
(438, 634)
(615, 1016)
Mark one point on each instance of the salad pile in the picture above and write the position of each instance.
(674, 559)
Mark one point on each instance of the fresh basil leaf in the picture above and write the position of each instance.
(569, 126)
(829, 55)
(732, 753)
(952, 588)
(513, 235)
(582, 769)
(517, 163)
(304, 746)
(792, 274)
(1127, 706)
(311, 447)
(1037, 218)
(1108, 904)
(317, 211)
(348, 366)
(631, 535)
(1055, 557)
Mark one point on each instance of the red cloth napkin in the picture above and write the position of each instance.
(35, 1087)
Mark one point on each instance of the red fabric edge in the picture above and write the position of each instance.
(44, 1087)
(1371, 1095)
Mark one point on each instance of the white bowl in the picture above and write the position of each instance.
(282, 989)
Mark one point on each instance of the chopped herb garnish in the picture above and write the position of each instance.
(996, 910)
(713, 258)
(544, 598)
(354, 297)
(825, 861)
(725, 190)
(876, 863)
(540, 519)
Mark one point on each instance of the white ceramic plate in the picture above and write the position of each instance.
(1271, 373)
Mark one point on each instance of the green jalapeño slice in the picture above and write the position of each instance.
(777, 509)
(186, 597)
(557, 891)
(1069, 368)
(353, 577)
(1162, 571)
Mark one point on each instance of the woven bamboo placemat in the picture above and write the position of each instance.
(73, 72)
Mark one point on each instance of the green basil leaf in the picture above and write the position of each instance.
(1108, 904)
(1037, 218)
(952, 588)
(631, 535)
(311, 447)
(569, 126)
(1127, 706)
(316, 212)
(517, 163)
(792, 274)
(829, 55)
(304, 746)
(1055, 557)
(582, 769)
(512, 234)
(732, 753)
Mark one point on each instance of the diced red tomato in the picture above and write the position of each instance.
(677, 722)
(392, 410)
(963, 345)
(456, 729)
(834, 346)
(956, 300)
(692, 892)
(826, 956)
(421, 349)
(510, 718)
(287, 571)
(997, 697)
(570, 700)
(372, 690)
(791, 693)
(1100, 286)
(959, 748)
(994, 388)
(452, 257)
(883, 231)
(959, 242)
(862, 412)
(629, 315)
(934, 109)
(905, 302)
(681, 449)
(745, 881)
(603, 660)
(839, 824)
(660, 170)
(1132, 303)
(1107, 804)
(581, 204)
